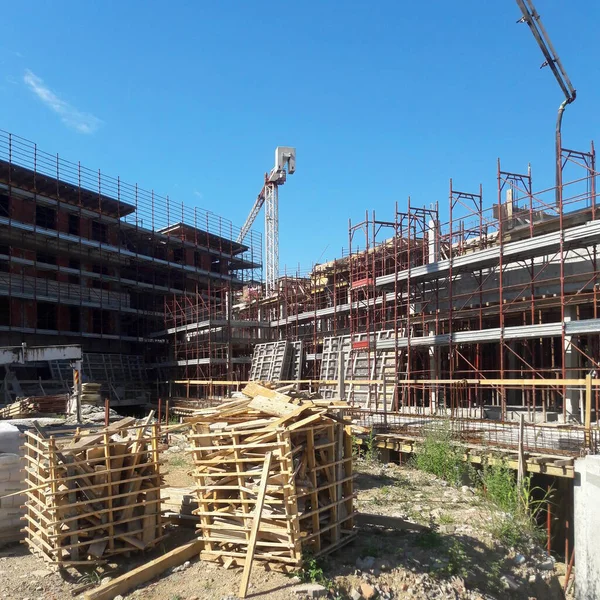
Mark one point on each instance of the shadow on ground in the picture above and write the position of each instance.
(444, 557)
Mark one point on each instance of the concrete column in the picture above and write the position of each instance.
(571, 358)
(434, 371)
(587, 525)
(433, 249)
(512, 395)
(341, 386)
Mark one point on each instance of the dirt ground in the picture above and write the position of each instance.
(456, 559)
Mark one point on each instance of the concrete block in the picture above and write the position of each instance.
(9, 461)
(310, 590)
(15, 475)
(10, 439)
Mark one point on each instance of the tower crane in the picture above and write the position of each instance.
(285, 157)
(532, 18)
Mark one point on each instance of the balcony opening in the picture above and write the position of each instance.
(45, 216)
(46, 315)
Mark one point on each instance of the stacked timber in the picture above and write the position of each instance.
(90, 393)
(93, 494)
(35, 406)
(273, 477)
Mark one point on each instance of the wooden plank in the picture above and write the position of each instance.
(306, 421)
(121, 585)
(272, 406)
(260, 500)
(567, 462)
(94, 439)
(254, 389)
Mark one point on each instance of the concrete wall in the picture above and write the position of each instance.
(587, 528)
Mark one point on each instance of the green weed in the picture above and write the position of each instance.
(457, 559)
(500, 486)
(372, 549)
(446, 519)
(179, 461)
(367, 448)
(312, 572)
(372, 452)
(439, 455)
(429, 539)
(522, 505)
(92, 578)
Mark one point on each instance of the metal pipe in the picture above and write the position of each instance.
(549, 524)
(558, 151)
(569, 569)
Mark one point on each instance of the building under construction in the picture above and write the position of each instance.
(89, 259)
(448, 313)
(431, 313)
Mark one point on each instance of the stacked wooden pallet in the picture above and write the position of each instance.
(281, 461)
(34, 406)
(92, 494)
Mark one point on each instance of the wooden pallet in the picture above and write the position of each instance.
(94, 494)
(309, 497)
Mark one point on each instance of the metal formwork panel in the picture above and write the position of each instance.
(360, 365)
(295, 360)
(270, 361)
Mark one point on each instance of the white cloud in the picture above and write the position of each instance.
(198, 194)
(69, 115)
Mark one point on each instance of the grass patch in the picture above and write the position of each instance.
(373, 549)
(446, 519)
(429, 539)
(499, 485)
(439, 455)
(457, 559)
(92, 577)
(178, 461)
(521, 504)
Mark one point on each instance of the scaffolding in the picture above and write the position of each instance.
(504, 293)
(91, 259)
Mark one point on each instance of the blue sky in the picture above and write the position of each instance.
(382, 100)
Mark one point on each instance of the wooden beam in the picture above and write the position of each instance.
(272, 406)
(260, 501)
(121, 585)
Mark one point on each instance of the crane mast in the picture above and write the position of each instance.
(285, 158)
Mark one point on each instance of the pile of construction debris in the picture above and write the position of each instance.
(93, 494)
(91, 414)
(278, 465)
(273, 481)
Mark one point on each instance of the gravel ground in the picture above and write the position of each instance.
(459, 560)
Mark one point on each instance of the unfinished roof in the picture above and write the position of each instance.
(189, 233)
(38, 183)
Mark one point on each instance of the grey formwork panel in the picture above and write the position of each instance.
(360, 364)
(270, 361)
(295, 361)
